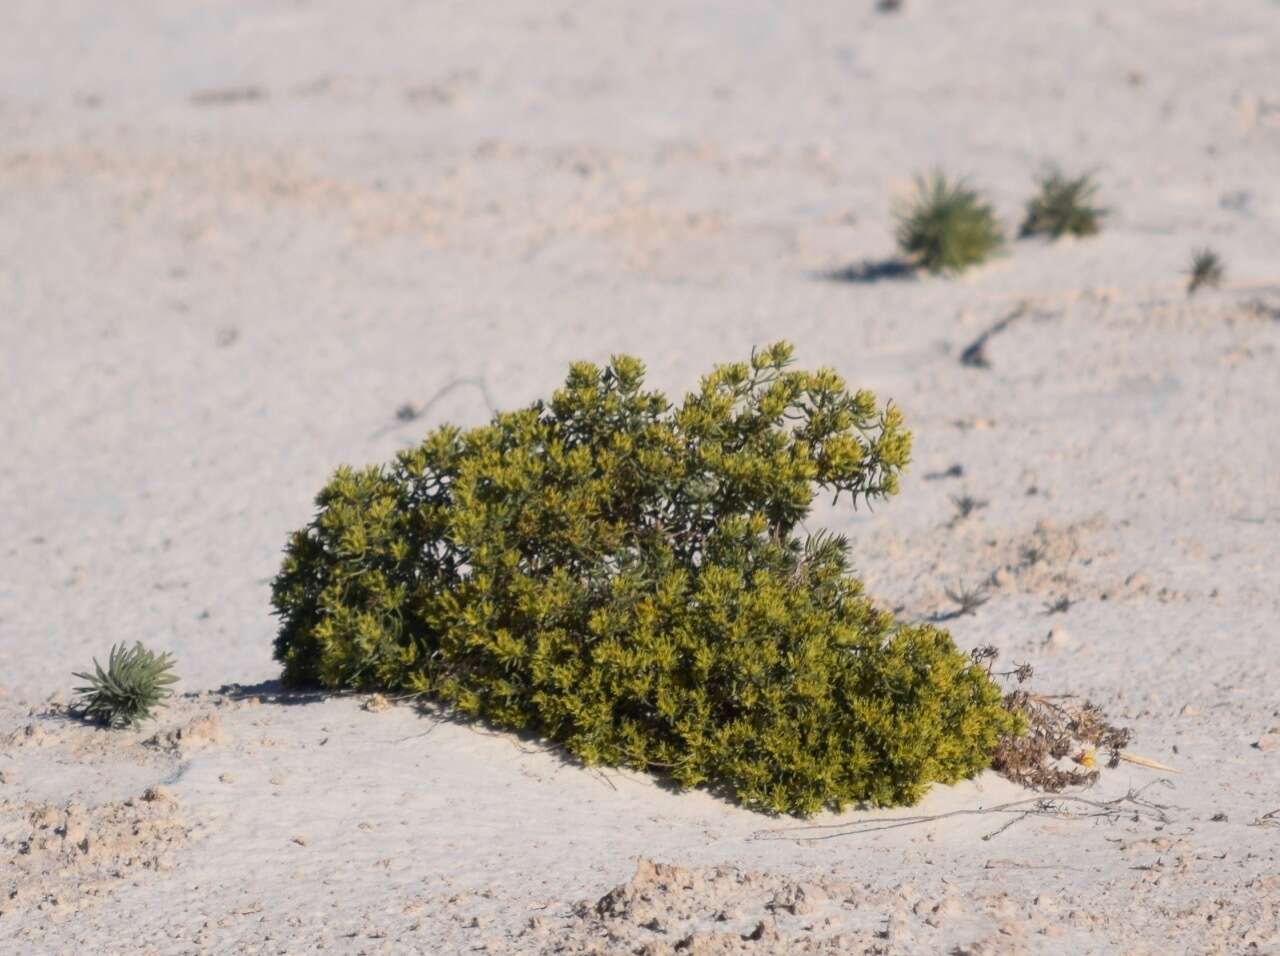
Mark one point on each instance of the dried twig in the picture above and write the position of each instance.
(975, 356)
(1146, 762)
(1132, 805)
(411, 412)
(1271, 819)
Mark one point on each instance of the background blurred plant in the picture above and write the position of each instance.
(947, 227)
(1206, 270)
(1063, 206)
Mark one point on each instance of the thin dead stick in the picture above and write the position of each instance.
(411, 414)
(1004, 826)
(1146, 762)
(1271, 819)
(1132, 801)
(975, 356)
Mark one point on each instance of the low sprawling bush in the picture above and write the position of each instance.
(624, 577)
(1064, 205)
(947, 226)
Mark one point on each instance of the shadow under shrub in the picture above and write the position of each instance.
(624, 577)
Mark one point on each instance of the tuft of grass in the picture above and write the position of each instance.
(135, 681)
(1206, 270)
(1059, 606)
(1063, 206)
(966, 505)
(967, 599)
(1033, 554)
(947, 227)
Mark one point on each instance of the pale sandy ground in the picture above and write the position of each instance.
(236, 237)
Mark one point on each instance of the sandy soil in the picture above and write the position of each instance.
(236, 237)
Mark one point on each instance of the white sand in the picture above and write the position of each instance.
(236, 237)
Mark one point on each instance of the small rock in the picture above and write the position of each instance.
(376, 704)
(226, 778)
(1189, 710)
(762, 932)
(1058, 639)
(1218, 817)
(1268, 741)
(301, 839)
(158, 794)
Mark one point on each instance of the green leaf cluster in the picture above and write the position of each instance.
(623, 576)
(947, 226)
(134, 683)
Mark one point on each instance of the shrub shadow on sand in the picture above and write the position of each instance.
(870, 271)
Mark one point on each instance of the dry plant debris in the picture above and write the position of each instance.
(1131, 805)
(1057, 728)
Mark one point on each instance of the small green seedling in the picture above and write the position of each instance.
(136, 681)
(1206, 270)
(947, 227)
(1063, 206)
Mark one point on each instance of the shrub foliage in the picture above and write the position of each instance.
(947, 227)
(623, 576)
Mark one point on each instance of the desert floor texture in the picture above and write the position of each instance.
(237, 237)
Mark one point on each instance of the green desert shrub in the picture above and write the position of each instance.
(624, 576)
(947, 226)
(1063, 206)
(133, 684)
